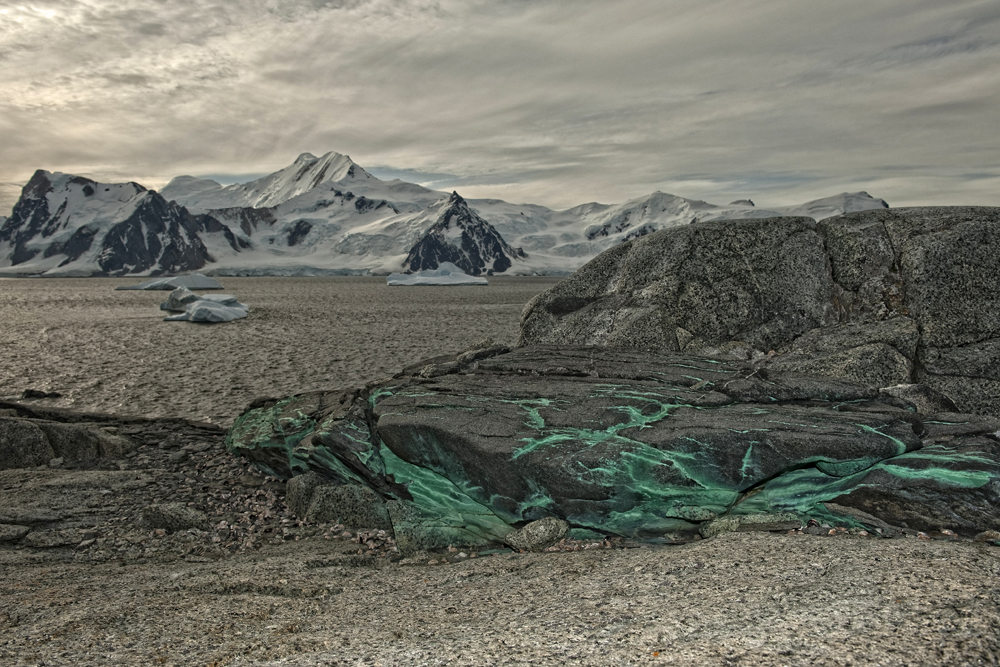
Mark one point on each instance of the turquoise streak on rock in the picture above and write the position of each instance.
(449, 507)
(653, 506)
(900, 445)
(802, 490)
(269, 437)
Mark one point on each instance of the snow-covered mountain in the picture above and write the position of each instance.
(328, 215)
(465, 239)
(70, 225)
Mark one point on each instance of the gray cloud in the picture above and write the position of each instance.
(555, 101)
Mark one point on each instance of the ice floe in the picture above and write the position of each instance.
(203, 308)
(446, 274)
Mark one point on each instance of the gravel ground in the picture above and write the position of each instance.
(110, 351)
(96, 583)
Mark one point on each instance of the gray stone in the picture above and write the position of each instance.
(29, 515)
(84, 442)
(860, 516)
(173, 517)
(924, 399)
(299, 492)
(12, 532)
(353, 505)
(743, 523)
(538, 534)
(172, 441)
(23, 444)
(761, 282)
(48, 539)
(179, 456)
(874, 364)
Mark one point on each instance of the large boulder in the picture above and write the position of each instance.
(731, 375)
(881, 297)
(27, 443)
(627, 443)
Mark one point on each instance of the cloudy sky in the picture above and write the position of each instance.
(556, 102)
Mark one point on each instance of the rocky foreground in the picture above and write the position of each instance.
(173, 551)
(764, 442)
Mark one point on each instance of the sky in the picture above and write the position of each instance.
(554, 102)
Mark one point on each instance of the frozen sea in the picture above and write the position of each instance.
(111, 351)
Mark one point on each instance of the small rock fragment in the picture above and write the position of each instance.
(757, 522)
(12, 532)
(173, 517)
(538, 534)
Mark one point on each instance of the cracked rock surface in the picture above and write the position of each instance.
(630, 444)
(881, 297)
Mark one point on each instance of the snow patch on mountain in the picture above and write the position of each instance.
(307, 173)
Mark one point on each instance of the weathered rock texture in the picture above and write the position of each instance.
(626, 443)
(25, 443)
(881, 297)
(746, 370)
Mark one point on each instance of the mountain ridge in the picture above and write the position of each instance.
(328, 215)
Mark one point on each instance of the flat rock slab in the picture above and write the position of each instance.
(628, 443)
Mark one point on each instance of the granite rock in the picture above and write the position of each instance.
(881, 297)
(173, 517)
(537, 535)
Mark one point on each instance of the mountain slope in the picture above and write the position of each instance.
(327, 215)
(307, 173)
(465, 239)
(70, 225)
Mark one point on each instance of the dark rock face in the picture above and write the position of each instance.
(880, 297)
(246, 218)
(29, 218)
(158, 234)
(462, 237)
(626, 443)
(156, 237)
(298, 232)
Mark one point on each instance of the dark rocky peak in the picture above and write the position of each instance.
(37, 186)
(464, 238)
(742, 202)
(160, 236)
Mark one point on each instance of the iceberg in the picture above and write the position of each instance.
(203, 308)
(192, 281)
(178, 300)
(446, 274)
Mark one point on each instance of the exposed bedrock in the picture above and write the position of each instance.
(881, 297)
(465, 449)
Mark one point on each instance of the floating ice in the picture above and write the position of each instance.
(192, 281)
(207, 310)
(446, 274)
(182, 297)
